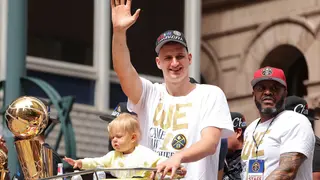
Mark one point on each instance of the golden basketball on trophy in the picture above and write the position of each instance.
(26, 118)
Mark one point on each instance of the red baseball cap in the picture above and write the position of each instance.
(269, 73)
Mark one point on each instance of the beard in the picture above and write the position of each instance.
(271, 111)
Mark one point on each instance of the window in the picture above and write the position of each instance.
(116, 95)
(61, 30)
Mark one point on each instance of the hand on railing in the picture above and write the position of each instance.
(180, 173)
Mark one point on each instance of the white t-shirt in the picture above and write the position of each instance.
(289, 132)
(170, 124)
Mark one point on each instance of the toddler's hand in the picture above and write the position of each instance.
(74, 163)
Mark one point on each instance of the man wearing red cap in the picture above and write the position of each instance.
(278, 145)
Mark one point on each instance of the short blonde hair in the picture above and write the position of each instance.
(126, 122)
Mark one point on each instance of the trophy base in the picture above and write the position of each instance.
(35, 159)
(4, 174)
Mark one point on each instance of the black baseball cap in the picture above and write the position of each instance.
(51, 119)
(120, 108)
(170, 36)
(238, 120)
(299, 105)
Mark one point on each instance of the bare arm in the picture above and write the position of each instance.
(220, 174)
(128, 76)
(207, 145)
(210, 137)
(288, 167)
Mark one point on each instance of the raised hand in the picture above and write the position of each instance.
(74, 163)
(121, 15)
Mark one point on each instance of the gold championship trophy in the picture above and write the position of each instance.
(26, 118)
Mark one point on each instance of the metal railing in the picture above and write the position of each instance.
(89, 171)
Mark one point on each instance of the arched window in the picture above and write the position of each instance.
(293, 62)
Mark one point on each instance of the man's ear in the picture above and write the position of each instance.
(190, 58)
(158, 62)
(286, 93)
(238, 132)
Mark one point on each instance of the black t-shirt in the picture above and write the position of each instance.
(223, 153)
(316, 156)
(56, 158)
(233, 167)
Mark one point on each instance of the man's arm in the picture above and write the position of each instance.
(210, 137)
(128, 76)
(288, 167)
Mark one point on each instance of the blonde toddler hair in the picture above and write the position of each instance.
(127, 123)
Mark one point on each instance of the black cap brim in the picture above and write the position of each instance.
(54, 120)
(107, 118)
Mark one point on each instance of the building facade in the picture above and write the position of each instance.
(238, 39)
